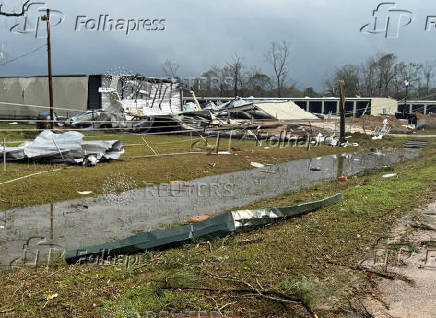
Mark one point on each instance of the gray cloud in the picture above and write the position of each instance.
(323, 34)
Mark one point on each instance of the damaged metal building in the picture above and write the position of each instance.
(26, 97)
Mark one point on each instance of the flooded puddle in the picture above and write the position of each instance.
(29, 235)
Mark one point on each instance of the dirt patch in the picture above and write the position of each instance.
(418, 263)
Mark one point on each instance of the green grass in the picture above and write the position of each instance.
(426, 132)
(289, 257)
(65, 184)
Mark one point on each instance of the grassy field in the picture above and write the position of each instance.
(426, 132)
(61, 182)
(292, 258)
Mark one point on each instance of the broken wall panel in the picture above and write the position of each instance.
(218, 226)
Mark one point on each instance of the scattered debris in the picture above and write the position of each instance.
(257, 165)
(415, 144)
(200, 218)
(376, 152)
(51, 297)
(390, 175)
(84, 192)
(315, 169)
(68, 147)
(425, 121)
(380, 132)
(343, 179)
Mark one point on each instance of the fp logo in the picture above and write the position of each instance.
(388, 20)
(32, 21)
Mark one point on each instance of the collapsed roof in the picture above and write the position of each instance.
(277, 110)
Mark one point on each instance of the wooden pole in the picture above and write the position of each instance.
(4, 154)
(342, 110)
(50, 73)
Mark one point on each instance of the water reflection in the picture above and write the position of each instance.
(41, 233)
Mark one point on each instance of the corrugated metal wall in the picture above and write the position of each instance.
(68, 93)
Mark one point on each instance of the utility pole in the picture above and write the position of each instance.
(406, 83)
(50, 74)
(342, 110)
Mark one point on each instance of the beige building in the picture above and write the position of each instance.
(26, 97)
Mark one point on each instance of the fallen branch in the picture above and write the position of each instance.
(271, 295)
(7, 311)
(423, 226)
(386, 275)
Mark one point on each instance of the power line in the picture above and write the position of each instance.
(23, 55)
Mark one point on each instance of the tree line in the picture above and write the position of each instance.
(383, 75)
(235, 78)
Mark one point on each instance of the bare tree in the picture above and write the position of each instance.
(386, 73)
(369, 76)
(234, 68)
(427, 71)
(410, 72)
(352, 77)
(258, 83)
(277, 56)
(170, 68)
(24, 8)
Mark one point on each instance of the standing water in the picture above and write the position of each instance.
(27, 232)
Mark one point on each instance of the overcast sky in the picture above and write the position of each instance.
(201, 33)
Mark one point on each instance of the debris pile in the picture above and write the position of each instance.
(425, 121)
(68, 147)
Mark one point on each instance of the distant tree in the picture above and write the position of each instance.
(234, 69)
(386, 73)
(277, 56)
(351, 74)
(369, 77)
(410, 72)
(258, 84)
(212, 85)
(170, 69)
(428, 73)
(310, 92)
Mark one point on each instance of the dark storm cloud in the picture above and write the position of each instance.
(198, 34)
